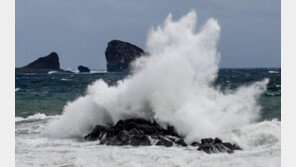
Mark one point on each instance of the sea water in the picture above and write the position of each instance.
(40, 99)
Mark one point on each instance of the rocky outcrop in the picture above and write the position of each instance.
(42, 65)
(83, 69)
(119, 55)
(216, 145)
(139, 132)
(135, 132)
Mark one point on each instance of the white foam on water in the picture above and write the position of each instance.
(97, 71)
(273, 72)
(36, 116)
(91, 71)
(73, 70)
(66, 79)
(265, 134)
(52, 72)
(174, 86)
(35, 147)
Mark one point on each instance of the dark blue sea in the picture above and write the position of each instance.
(48, 93)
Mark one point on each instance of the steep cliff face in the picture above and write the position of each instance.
(120, 54)
(43, 64)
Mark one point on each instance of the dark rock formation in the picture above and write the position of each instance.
(195, 144)
(139, 132)
(216, 145)
(135, 132)
(42, 65)
(83, 69)
(120, 54)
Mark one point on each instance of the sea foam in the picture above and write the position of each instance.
(37, 116)
(173, 85)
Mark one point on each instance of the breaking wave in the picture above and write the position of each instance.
(174, 86)
(37, 116)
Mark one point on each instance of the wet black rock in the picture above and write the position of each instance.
(140, 132)
(216, 145)
(119, 55)
(164, 142)
(195, 144)
(83, 69)
(135, 132)
(181, 142)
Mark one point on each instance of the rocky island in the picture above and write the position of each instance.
(120, 54)
(43, 65)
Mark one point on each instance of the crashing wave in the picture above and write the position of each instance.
(173, 86)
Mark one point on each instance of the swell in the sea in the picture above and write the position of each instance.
(174, 86)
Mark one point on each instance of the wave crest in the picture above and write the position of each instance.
(174, 86)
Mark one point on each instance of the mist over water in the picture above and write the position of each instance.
(174, 85)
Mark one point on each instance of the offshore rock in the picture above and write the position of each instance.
(83, 69)
(43, 65)
(119, 55)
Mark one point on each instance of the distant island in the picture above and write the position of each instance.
(42, 65)
(119, 56)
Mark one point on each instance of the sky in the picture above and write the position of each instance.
(79, 30)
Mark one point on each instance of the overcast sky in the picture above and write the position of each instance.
(79, 30)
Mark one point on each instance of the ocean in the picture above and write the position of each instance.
(40, 99)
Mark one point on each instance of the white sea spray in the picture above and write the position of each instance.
(173, 85)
